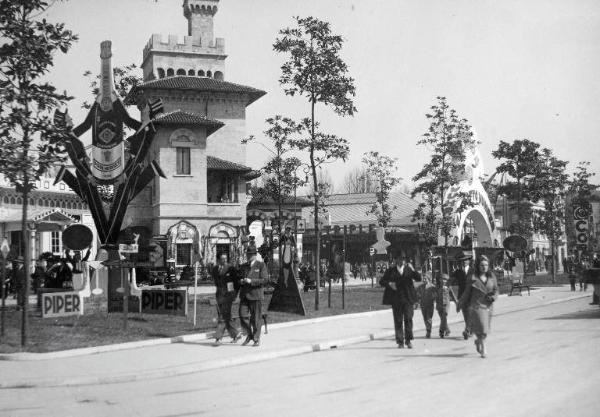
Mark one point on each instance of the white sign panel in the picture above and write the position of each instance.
(61, 304)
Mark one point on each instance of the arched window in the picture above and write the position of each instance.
(13, 201)
(191, 72)
(31, 202)
(218, 75)
(170, 72)
(180, 71)
(40, 202)
(209, 74)
(52, 204)
(161, 72)
(200, 73)
(5, 199)
(19, 200)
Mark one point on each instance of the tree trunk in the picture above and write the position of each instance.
(552, 249)
(26, 261)
(279, 214)
(316, 207)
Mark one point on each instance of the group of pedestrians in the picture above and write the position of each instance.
(478, 290)
(247, 281)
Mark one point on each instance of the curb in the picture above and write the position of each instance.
(196, 367)
(93, 350)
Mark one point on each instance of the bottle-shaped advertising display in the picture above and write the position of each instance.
(107, 129)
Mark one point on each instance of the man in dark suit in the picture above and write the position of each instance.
(224, 276)
(255, 277)
(401, 295)
(460, 277)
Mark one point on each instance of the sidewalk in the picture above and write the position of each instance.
(196, 353)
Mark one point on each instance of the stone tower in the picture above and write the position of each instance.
(200, 54)
(197, 142)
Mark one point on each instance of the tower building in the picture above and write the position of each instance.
(201, 205)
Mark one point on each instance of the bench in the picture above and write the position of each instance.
(518, 283)
(235, 313)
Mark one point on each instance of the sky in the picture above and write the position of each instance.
(514, 69)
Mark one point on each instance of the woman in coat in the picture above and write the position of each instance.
(478, 298)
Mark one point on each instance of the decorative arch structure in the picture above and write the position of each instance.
(224, 234)
(179, 236)
(470, 190)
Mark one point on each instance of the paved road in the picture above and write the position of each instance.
(542, 362)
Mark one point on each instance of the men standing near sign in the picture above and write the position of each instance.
(255, 277)
(224, 276)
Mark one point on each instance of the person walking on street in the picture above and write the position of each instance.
(428, 295)
(443, 297)
(225, 279)
(479, 297)
(460, 277)
(255, 277)
(400, 293)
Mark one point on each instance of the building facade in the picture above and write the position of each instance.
(199, 209)
(52, 207)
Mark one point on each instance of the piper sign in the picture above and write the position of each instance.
(61, 304)
(165, 302)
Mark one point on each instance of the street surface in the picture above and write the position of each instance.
(542, 361)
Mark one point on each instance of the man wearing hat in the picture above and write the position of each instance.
(254, 277)
(400, 293)
(460, 277)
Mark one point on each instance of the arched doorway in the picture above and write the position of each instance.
(222, 239)
(183, 243)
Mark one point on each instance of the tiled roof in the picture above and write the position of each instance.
(300, 202)
(346, 209)
(215, 163)
(184, 82)
(180, 117)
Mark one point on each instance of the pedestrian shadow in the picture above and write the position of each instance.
(578, 315)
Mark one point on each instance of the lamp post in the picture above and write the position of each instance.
(4, 248)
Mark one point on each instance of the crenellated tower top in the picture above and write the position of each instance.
(200, 54)
(200, 14)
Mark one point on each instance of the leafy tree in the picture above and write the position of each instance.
(315, 70)
(29, 141)
(549, 187)
(519, 160)
(280, 179)
(448, 138)
(382, 169)
(580, 193)
(125, 78)
(358, 181)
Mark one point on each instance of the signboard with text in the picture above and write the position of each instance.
(61, 304)
(165, 302)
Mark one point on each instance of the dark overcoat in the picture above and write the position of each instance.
(259, 277)
(405, 288)
(227, 275)
(478, 298)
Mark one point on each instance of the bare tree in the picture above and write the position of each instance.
(358, 181)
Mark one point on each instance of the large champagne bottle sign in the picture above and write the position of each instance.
(107, 128)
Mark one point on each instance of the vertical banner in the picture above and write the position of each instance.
(580, 222)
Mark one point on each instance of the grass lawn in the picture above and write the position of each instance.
(95, 328)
